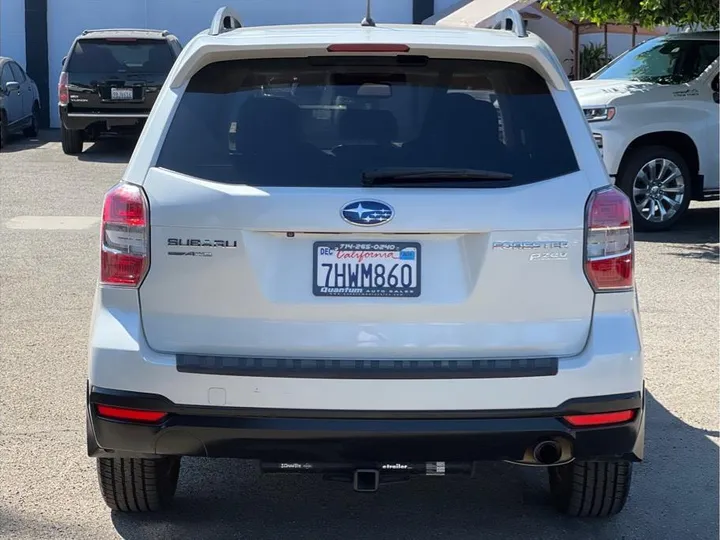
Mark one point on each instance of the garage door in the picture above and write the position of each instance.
(185, 18)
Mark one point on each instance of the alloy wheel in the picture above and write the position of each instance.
(658, 190)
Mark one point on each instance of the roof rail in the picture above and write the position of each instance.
(147, 30)
(510, 19)
(225, 20)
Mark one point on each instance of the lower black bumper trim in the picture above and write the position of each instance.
(278, 436)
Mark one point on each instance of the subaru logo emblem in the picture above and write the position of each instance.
(367, 213)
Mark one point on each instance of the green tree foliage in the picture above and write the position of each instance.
(647, 13)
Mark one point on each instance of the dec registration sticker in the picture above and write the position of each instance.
(370, 269)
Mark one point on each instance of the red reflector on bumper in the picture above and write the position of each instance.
(132, 415)
(600, 419)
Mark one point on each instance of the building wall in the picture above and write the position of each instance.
(12, 30)
(185, 18)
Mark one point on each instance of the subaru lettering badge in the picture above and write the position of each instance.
(367, 213)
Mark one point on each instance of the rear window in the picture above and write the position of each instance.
(325, 121)
(121, 55)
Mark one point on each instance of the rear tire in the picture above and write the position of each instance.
(590, 488)
(34, 128)
(72, 140)
(136, 484)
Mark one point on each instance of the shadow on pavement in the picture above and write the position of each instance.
(19, 143)
(695, 237)
(110, 150)
(706, 252)
(674, 495)
(698, 226)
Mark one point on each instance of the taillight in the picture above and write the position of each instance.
(63, 95)
(609, 240)
(125, 255)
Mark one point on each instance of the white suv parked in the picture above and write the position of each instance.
(654, 113)
(368, 251)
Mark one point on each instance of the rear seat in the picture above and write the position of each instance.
(367, 135)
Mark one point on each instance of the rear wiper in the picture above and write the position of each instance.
(429, 174)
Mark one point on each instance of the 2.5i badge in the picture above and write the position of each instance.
(544, 250)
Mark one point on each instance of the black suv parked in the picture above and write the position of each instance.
(109, 82)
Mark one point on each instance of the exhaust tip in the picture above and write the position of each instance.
(547, 452)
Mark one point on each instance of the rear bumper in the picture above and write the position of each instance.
(352, 436)
(611, 363)
(80, 120)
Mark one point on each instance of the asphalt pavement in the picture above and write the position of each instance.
(49, 205)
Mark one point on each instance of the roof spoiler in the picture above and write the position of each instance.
(509, 20)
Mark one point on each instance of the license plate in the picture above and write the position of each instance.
(378, 269)
(121, 93)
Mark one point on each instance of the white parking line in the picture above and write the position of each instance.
(52, 223)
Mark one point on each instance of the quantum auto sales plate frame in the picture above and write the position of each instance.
(402, 254)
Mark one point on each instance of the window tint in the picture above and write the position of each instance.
(707, 54)
(325, 121)
(663, 61)
(17, 72)
(121, 55)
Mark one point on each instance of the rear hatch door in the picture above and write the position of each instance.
(402, 223)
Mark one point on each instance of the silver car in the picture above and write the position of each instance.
(19, 101)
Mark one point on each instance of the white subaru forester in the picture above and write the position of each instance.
(371, 252)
